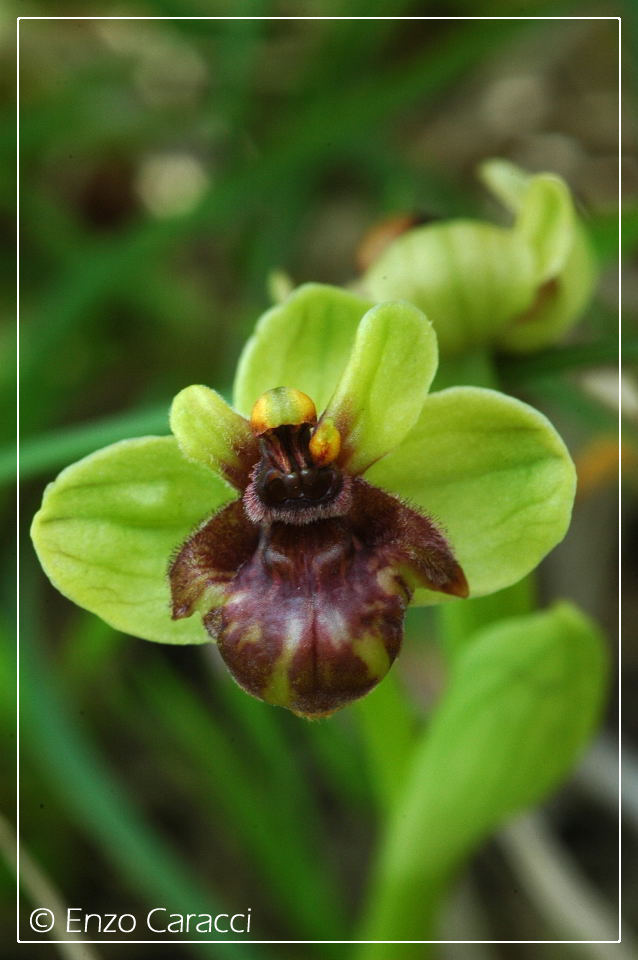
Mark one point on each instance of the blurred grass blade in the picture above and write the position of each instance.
(575, 356)
(300, 142)
(569, 904)
(388, 728)
(41, 890)
(522, 702)
(99, 803)
(579, 406)
(271, 832)
(337, 752)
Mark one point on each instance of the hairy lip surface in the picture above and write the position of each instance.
(308, 622)
(310, 616)
(287, 486)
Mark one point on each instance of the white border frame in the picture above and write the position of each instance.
(46, 940)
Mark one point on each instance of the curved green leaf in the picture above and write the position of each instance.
(381, 392)
(109, 525)
(469, 278)
(495, 475)
(522, 701)
(303, 342)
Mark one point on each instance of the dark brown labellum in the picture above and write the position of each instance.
(314, 619)
(308, 613)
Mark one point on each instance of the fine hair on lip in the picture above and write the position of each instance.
(288, 486)
(299, 511)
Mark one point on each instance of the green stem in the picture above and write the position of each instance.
(457, 622)
(388, 728)
(406, 893)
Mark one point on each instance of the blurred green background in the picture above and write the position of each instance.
(167, 167)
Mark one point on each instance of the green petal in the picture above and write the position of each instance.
(495, 475)
(210, 432)
(506, 181)
(109, 525)
(469, 278)
(303, 343)
(565, 264)
(559, 302)
(382, 390)
(546, 220)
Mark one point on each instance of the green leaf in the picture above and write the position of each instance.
(303, 343)
(494, 473)
(522, 701)
(469, 278)
(381, 392)
(210, 432)
(458, 623)
(109, 525)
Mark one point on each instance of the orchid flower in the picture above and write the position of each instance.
(294, 527)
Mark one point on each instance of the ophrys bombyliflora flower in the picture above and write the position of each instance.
(353, 493)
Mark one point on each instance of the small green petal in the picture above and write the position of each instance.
(559, 302)
(546, 220)
(303, 343)
(565, 263)
(505, 180)
(469, 278)
(110, 524)
(382, 390)
(210, 432)
(494, 473)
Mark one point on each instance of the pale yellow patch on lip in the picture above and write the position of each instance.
(251, 635)
(387, 580)
(371, 650)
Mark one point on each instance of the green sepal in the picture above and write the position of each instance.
(109, 525)
(494, 474)
(469, 278)
(303, 342)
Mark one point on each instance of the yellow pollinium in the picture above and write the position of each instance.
(325, 443)
(279, 407)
